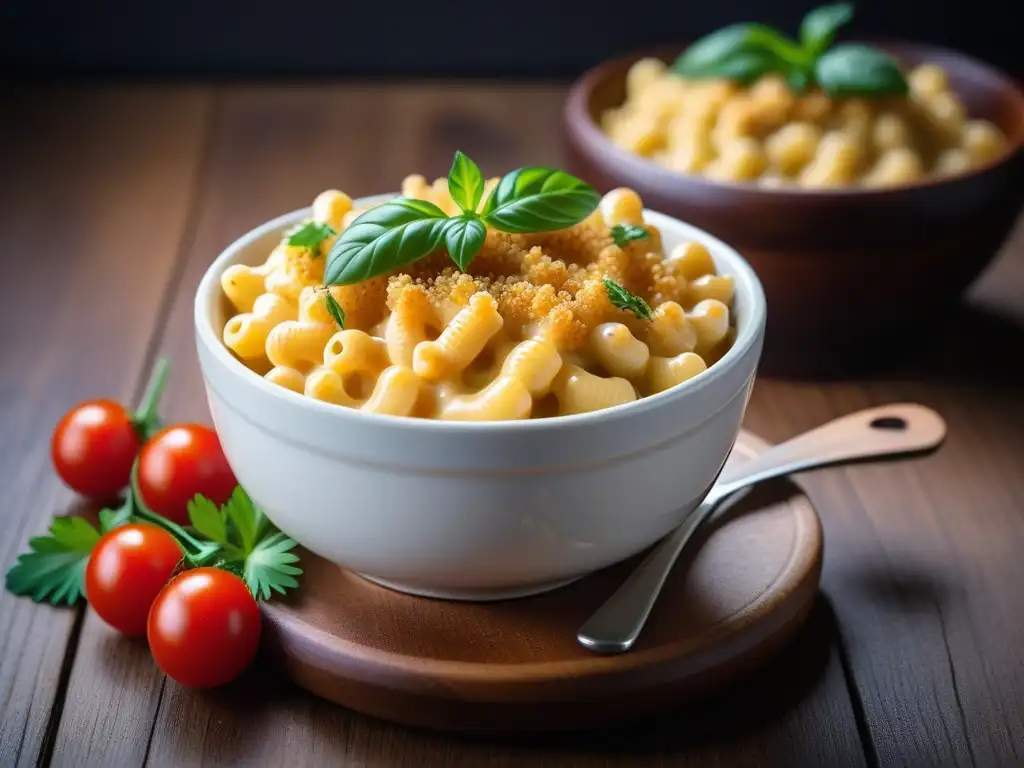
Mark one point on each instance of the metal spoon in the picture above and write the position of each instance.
(886, 431)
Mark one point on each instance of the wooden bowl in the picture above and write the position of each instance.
(851, 274)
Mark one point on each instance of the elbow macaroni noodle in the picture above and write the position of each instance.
(530, 332)
(767, 135)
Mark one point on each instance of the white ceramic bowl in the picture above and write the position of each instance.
(477, 511)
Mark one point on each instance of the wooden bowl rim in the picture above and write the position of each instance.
(592, 140)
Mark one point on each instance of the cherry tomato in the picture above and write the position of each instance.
(204, 628)
(126, 571)
(177, 463)
(93, 448)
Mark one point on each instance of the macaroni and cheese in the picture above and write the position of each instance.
(528, 331)
(766, 134)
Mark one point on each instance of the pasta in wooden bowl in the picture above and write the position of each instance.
(865, 214)
(765, 134)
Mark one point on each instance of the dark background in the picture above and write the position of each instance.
(505, 38)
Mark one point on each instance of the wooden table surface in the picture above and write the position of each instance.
(113, 202)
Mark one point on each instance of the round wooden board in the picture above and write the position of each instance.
(516, 665)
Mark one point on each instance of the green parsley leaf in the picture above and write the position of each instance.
(335, 309)
(624, 233)
(208, 519)
(627, 300)
(246, 519)
(310, 235)
(245, 542)
(268, 567)
(464, 237)
(465, 183)
(54, 569)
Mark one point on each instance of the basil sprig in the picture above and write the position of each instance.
(745, 52)
(404, 230)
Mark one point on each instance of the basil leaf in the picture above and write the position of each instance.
(706, 56)
(335, 310)
(746, 67)
(536, 199)
(818, 29)
(859, 70)
(384, 238)
(464, 237)
(624, 299)
(465, 183)
(624, 233)
(798, 80)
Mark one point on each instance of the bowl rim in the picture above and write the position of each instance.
(582, 127)
(747, 336)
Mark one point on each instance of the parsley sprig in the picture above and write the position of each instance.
(237, 536)
(624, 299)
(404, 230)
(247, 543)
(744, 52)
(53, 570)
(311, 236)
(626, 233)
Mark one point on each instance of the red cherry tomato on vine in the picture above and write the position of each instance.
(177, 463)
(126, 571)
(204, 628)
(93, 447)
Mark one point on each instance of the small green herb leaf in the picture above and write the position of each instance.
(335, 310)
(113, 518)
(464, 237)
(798, 80)
(624, 233)
(247, 519)
(746, 50)
(536, 199)
(248, 545)
(859, 70)
(384, 238)
(269, 566)
(54, 569)
(818, 29)
(74, 533)
(748, 66)
(465, 183)
(208, 519)
(310, 235)
(627, 300)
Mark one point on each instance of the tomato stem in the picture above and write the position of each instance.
(141, 510)
(184, 536)
(146, 419)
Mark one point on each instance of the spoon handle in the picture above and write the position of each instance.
(889, 430)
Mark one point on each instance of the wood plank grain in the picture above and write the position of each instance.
(95, 189)
(923, 558)
(273, 150)
(792, 712)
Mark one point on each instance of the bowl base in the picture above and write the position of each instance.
(516, 666)
(473, 595)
